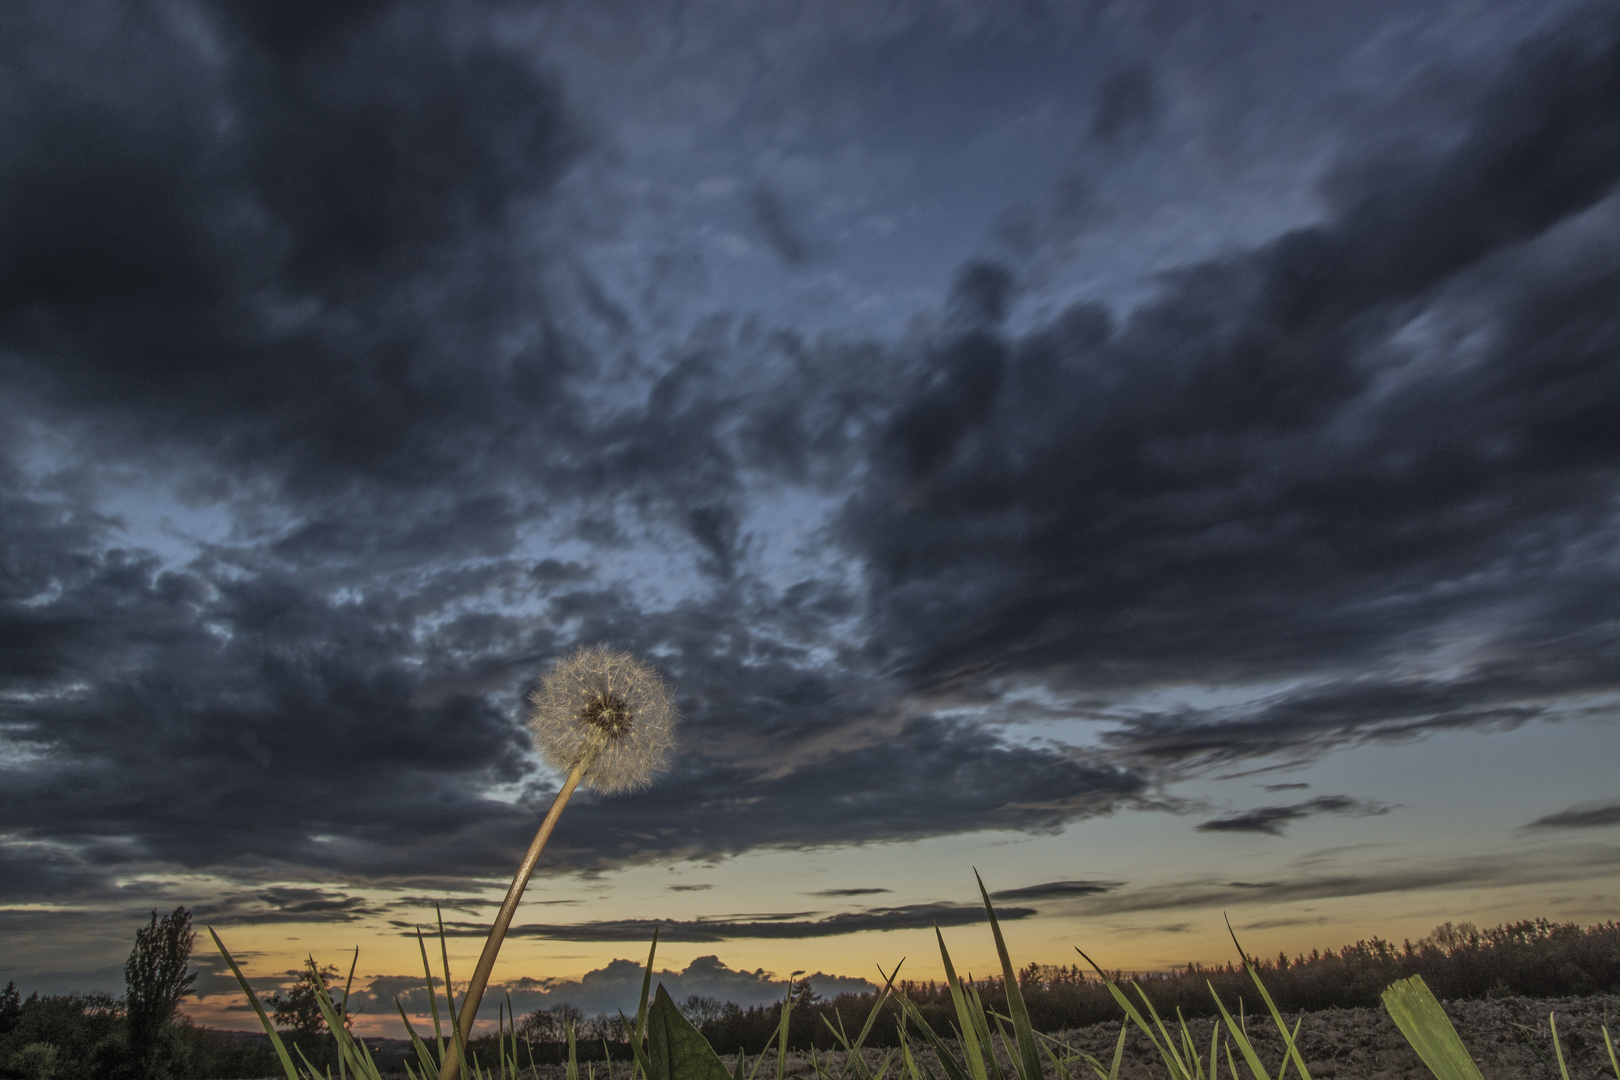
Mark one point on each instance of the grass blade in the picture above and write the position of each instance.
(1557, 1049)
(1290, 1051)
(1245, 1047)
(954, 1070)
(253, 999)
(432, 994)
(1029, 1055)
(646, 988)
(423, 1055)
(1426, 1026)
(972, 1054)
(643, 1062)
(1130, 1010)
(981, 1024)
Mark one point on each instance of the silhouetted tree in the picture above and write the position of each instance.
(10, 1008)
(155, 979)
(300, 1011)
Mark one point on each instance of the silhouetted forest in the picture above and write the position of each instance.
(1532, 958)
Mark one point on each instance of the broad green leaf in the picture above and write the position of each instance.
(677, 1050)
(1426, 1026)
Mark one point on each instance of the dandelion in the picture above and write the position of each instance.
(607, 713)
(609, 720)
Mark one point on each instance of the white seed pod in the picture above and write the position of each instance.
(608, 709)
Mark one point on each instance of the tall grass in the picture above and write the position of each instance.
(979, 1038)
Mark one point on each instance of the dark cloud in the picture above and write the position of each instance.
(1127, 106)
(776, 225)
(1273, 819)
(848, 892)
(905, 917)
(1056, 890)
(1580, 817)
(1255, 478)
(1501, 869)
(283, 903)
(309, 468)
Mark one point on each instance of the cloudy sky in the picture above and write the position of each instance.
(1162, 454)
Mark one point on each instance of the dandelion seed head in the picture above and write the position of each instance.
(607, 707)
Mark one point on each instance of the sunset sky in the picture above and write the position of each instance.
(1162, 454)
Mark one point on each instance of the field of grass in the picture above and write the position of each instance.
(988, 1030)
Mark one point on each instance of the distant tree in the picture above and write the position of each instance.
(155, 979)
(700, 1010)
(300, 1011)
(10, 1008)
(551, 1025)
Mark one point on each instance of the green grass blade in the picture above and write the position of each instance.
(1290, 1051)
(843, 1040)
(782, 1031)
(253, 999)
(1029, 1057)
(1614, 1064)
(1167, 1050)
(307, 1065)
(759, 1062)
(458, 1044)
(954, 1070)
(643, 1063)
(1125, 1003)
(877, 1006)
(423, 1054)
(646, 988)
(915, 1070)
(1426, 1026)
(432, 994)
(1289, 1039)
(972, 1054)
(1245, 1047)
(1557, 1049)
(981, 1025)
(334, 1023)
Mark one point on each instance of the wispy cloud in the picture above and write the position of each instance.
(1589, 816)
(1273, 819)
(788, 925)
(1053, 890)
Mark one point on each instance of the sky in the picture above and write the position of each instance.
(1153, 453)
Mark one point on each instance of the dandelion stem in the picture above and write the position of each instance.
(503, 919)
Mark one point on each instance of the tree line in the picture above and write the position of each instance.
(1531, 958)
(142, 1036)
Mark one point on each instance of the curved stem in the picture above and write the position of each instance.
(503, 919)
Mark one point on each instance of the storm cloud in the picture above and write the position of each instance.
(322, 435)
